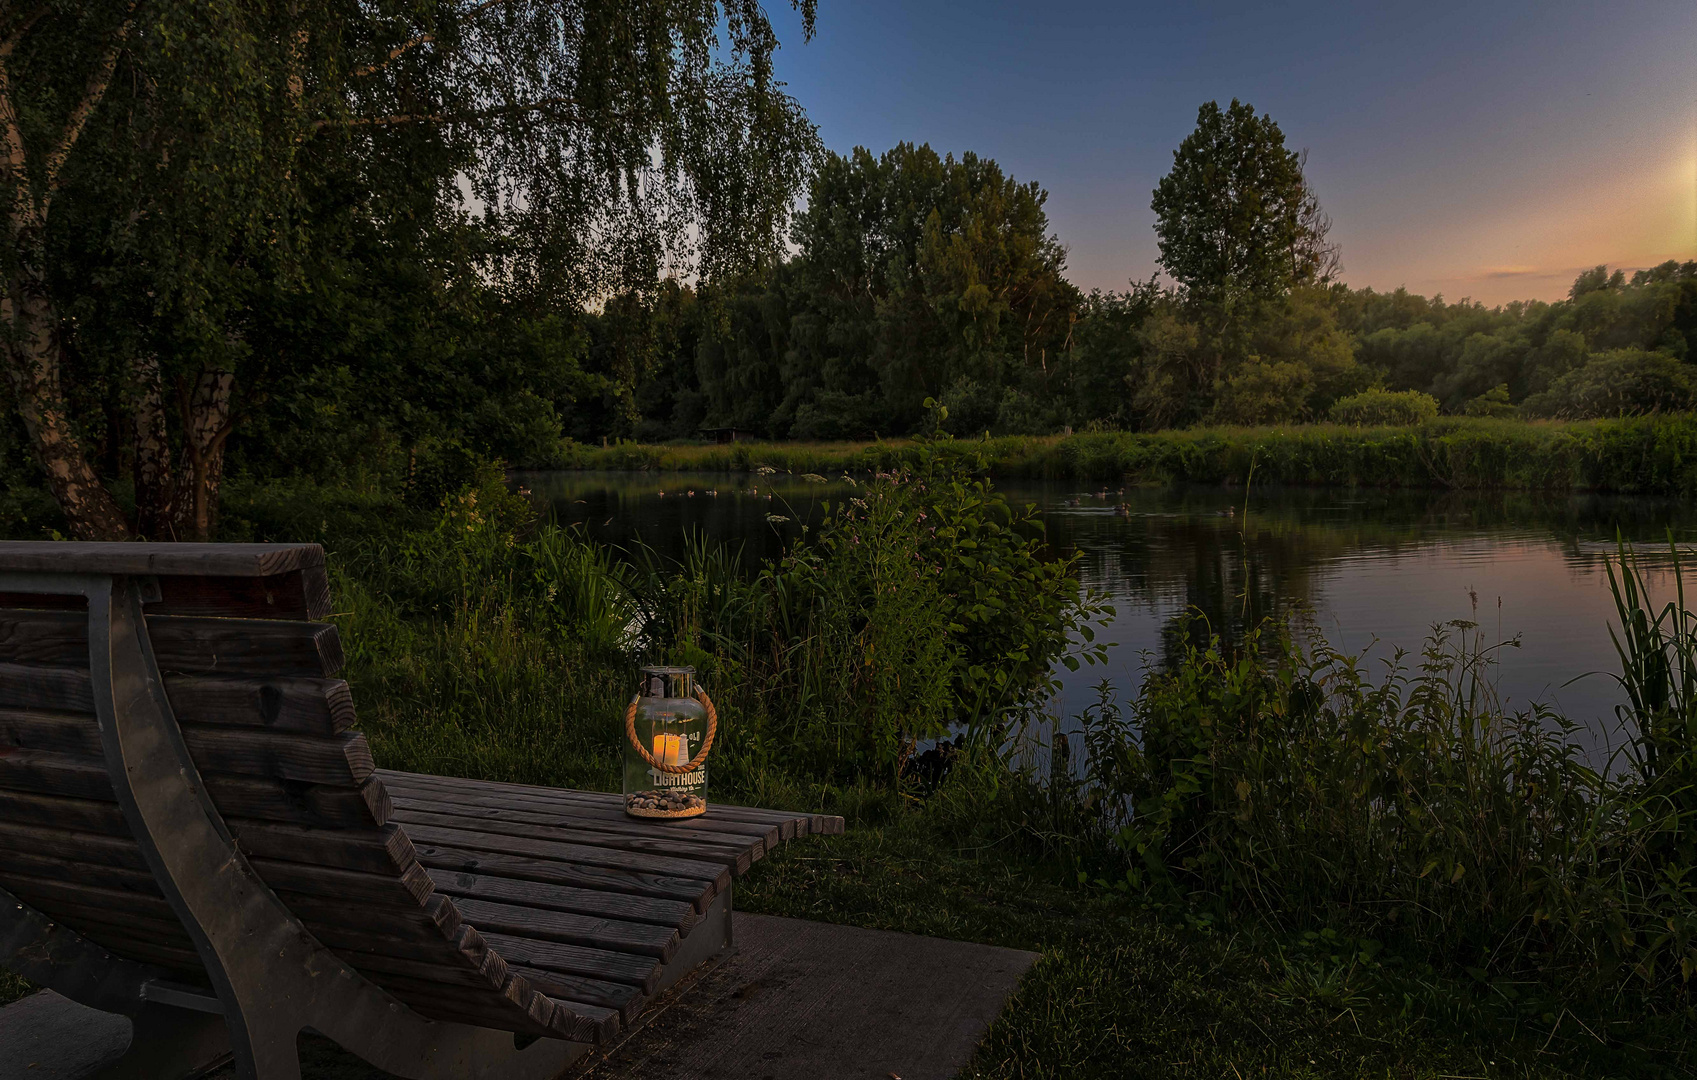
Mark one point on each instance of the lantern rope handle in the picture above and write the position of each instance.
(700, 755)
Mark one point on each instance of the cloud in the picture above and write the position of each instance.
(1513, 272)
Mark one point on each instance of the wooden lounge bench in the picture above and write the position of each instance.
(193, 834)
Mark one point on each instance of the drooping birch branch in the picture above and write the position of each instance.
(98, 80)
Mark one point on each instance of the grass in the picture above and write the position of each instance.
(1125, 990)
(1651, 455)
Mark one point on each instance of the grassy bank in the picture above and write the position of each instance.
(1643, 455)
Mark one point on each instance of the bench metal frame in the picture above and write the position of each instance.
(271, 978)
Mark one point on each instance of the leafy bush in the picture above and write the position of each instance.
(1384, 408)
(1624, 382)
(1280, 778)
(1492, 403)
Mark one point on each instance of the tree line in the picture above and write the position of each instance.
(917, 276)
(310, 237)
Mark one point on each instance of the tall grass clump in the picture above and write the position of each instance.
(1286, 779)
(924, 603)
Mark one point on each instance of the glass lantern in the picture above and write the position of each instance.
(669, 728)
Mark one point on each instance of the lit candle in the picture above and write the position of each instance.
(665, 749)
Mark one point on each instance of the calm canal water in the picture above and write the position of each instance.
(1377, 569)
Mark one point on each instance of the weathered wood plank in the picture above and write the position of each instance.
(181, 643)
(71, 846)
(790, 824)
(111, 877)
(466, 946)
(60, 812)
(497, 823)
(385, 850)
(590, 931)
(540, 896)
(620, 967)
(599, 818)
(341, 760)
(715, 874)
(437, 919)
(411, 887)
(129, 558)
(37, 891)
(49, 773)
(139, 929)
(62, 733)
(492, 1010)
(35, 686)
(627, 1001)
(300, 704)
(443, 857)
(479, 968)
(298, 802)
(120, 942)
(310, 706)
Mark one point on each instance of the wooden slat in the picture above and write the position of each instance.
(619, 967)
(341, 760)
(310, 706)
(120, 942)
(412, 886)
(51, 773)
(443, 857)
(584, 816)
(139, 929)
(535, 1016)
(385, 850)
(60, 812)
(63, 733)
(120, 902)
(545, 897)
(488, 978)
(139, 882)
(790, 824)
(36, 686)
(181, 643)
(307, 706)
(71, 846)
(627, 1001)
(715, 874)
(129, 558)
(437, 919)
(498, 823)
(296, 802)
(466, 946)
(591, 931)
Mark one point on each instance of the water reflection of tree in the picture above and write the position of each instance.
(1197, 548)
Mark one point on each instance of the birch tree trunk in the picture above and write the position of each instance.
(155, 489)
(206, 427)
(33, 365)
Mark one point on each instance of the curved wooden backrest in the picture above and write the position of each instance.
(250, 670)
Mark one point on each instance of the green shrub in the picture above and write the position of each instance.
(1280, 778)
(1384, 408)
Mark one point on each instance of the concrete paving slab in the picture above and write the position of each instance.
(797, 1001)
(47, 1037)
(811, 1001)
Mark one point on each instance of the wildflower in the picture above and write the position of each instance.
(776, 519)
(813, 478)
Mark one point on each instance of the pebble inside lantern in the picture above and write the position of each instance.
(669, 728)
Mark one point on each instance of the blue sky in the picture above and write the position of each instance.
(1479, 150)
